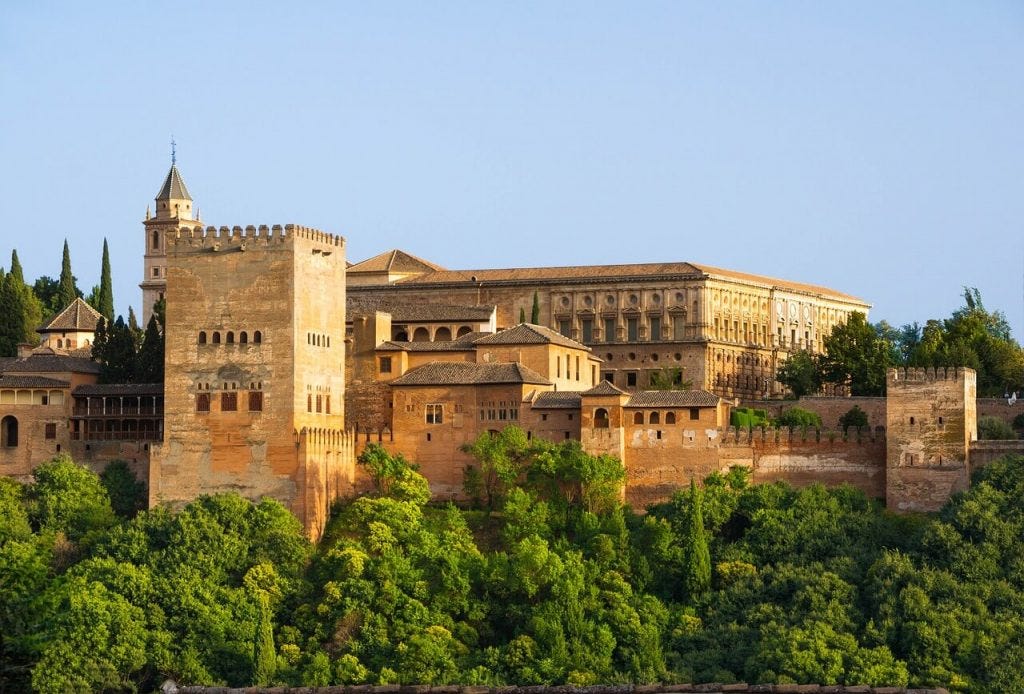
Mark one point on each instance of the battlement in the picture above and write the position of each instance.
(913, 374)
(216, 238)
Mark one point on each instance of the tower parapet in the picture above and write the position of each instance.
(198, 236)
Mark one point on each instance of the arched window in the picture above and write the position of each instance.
(216, 337)
(309, 402)
(421, 335)
(464, 330)
(327, 405)
(156, 240)
(231, 338)
(202, 337)
(401, 336)
(600, 418)
(243, 337)
(257, 337)
(638, 418)
(8, 432)
(442, 335)
(670, 418)
(655, 418)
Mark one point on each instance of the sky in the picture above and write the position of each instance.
(873, 147)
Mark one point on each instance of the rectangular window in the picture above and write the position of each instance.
(631, 329)
(385, 365)
(435, 414)
(655, 328)
(229, 402)
(51, 431)
(678, 328)
(558, 366)
(202, 402)
(694, 413)
(631, 378)
(563, 327)
(319, 404)
(588, 330)
(577, 368)
(609, 376)
(255, 401)
(609, 330)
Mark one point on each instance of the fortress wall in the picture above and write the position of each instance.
(829, 408)
(96, 455)
(984, 452)
(997, 407)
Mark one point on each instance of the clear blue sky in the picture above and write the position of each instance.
(874, 147)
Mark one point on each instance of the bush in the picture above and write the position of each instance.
(748, 417)
(798, 417)
(1018, 421)
(854, 417)
(994, 428)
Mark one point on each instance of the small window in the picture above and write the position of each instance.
(156, 240)
(694, 413)
(327, 404)
(216, 338)
(567, 436)
(435, 414)
(156, 272)
(609, 376)
(385, 365)
(670, 418)
(243, 338)
(631, 378)
(202, 402)
(231, 338)
(202, 337)
(257, 337)
(638, 418)
(655, 418)
(309, 402)
(600, 418)
(255, 401)
(632, 330)
(659, 433)
(911, 420)
(229, 402)
(50, 431)
(544, 418)
(319, 404)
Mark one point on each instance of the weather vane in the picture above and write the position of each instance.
(173, 152)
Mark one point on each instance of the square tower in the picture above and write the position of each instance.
(931, 418)
(254, 369)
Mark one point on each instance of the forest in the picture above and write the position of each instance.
(548, 579)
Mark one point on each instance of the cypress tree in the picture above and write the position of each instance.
(697, 567)
(9, 311)
(66, 289)
(535, 311)
(20, 311)
(114, 348)
(522, 314)
(105, 299)
(264, 657)
(133, 321)
(151, 355)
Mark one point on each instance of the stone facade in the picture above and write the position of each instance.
(254, 369)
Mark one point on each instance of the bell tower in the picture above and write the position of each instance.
(173, 211)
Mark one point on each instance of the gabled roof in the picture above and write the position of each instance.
(468, 373)
(120, 389)
(78, 316)
(405, 312)
(394, 261)
(174, 187)
(8, 381)
(529, 334)
(605, 388)
(440, 346)
(557, 400)
(48, 363)
(673, 398)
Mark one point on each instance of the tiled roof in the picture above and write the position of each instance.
(174, 187)
(614, 273)
(529, 334)
(465, 373)
(9, 381)
(120, 389)
(44, 363)
(77, 316)
(394, 261)
(441, 346)
(605, 388)
(404, 312)
(673, 398)
(558, 399)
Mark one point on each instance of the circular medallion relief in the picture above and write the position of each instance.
(588, 301)
(679, 296)
(792, 310)
(565, 301)
(807, 312)
(656, 298)
(610, 300)
(780, 309)
(633, 299)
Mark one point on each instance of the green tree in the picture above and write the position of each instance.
(535, 311)
(115, 349)
(67, 290)
(500, 457)
(522, 314)
(800, 373)
(105, 299)
(69, 498)
(855, 356)
(995, 428)
(854, 417)
(126, 492)
(697, 563)
(264, 655)
(669, 378)
(45, 288)
(20, 311)
(794, 417)
(151, 354)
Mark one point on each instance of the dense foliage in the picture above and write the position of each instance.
(726, 582)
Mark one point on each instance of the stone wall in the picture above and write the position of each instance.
(984, 452)
(998, 407)
(830, 409)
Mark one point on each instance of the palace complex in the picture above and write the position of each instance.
(283, 362)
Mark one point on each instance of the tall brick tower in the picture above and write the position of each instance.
(173, 211)
(254, 368)
(931, 418)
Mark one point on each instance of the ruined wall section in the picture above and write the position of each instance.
(931, 419)
(235, 406)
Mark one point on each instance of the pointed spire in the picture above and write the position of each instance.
(147, 211)
(174, 187)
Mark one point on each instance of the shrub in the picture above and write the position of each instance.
(798, 417)
(747, 417)
(1018, 421)
(994, 428)
(854, 417)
